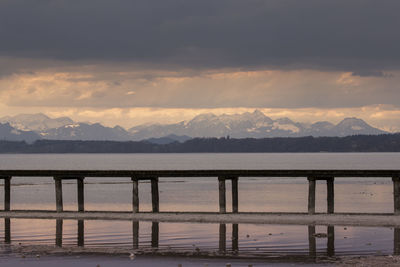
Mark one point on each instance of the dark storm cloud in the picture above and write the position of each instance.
(359, 36)
(370, 73)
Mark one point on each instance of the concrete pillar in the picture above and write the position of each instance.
(7, 193)
(155, 199)
(222, 194)
(81, 200)
(135, 195)
(396, 195)
(235, 195)
(311, 195)
(330, 194)
(59, 196)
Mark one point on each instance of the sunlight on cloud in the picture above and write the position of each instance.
(137, 96)
(348, 80)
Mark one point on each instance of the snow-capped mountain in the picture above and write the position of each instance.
(321, 128)
(85, 131)
(245, 125)
(64, 128)
(7, 132)
(35, 122)
(353, 126)
(255, 125)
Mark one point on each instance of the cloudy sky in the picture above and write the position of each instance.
(129, 62)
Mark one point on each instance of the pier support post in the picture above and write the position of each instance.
(311, 195)
(135, 194)
(155, 199)
(235, 195)
(81, 200)
(7, 192)
(222, 194)
(396, 195)
(59, 197)
(330, 194)
(81, 233)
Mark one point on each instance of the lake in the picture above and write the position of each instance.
(188, 194)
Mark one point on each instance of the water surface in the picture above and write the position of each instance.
(200, 194)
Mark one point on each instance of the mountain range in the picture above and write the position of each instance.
(30, 127)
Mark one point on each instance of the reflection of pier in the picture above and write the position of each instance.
(312, 242)
(59, 233)
(223, 247)
(396, 241)
(7, 230)
(155, 232)
(222, 239)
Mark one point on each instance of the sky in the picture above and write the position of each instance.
(131, 62)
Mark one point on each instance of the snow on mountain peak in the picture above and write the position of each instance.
(350, 122)
(203, 117)
(248, 124)
(258, 113)
(285, 120)
(35, 122)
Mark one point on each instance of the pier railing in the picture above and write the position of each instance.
(222, 175)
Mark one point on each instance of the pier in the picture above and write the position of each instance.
(222, 176)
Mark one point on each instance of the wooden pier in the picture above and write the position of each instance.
(221, 175)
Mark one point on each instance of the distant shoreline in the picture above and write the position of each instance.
(308, 144)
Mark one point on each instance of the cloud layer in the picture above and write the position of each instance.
(356, 35)
(129, 62)
(96, 88)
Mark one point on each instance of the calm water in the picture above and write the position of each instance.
(180, 194)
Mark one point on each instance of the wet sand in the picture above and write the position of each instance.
(73, 256)
(370, 261)
(110, 261)
(37, 255)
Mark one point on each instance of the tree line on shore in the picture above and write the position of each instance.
(357, 143)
